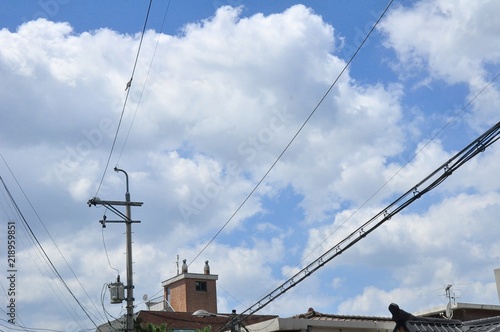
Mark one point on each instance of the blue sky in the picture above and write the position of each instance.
(216, 97)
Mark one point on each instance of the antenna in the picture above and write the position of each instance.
(450, 296)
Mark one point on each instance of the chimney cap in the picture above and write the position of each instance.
(206, 269)
(184, 266)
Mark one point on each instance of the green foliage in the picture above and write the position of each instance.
(149, 327)
(205, 329)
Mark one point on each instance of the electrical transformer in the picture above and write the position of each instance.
(116, 291)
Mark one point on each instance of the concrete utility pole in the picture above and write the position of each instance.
(127, 219)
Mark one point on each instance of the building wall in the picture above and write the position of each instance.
(464, 311)
(468, 314)
(201, 299)
(185, 298)
(178, 299)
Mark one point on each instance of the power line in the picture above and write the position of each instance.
(297, 133)
(103, 294)
(430, 182)
(127, 89)
(106, 251)
(72, 312)
(433, 138)
(44, 227)
(54, 269)
(145, 81)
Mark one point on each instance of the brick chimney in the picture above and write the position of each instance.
(188, 292)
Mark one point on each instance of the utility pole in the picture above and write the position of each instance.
(127, 219)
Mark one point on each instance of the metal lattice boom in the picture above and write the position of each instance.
(421, 188)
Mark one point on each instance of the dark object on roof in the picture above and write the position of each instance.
(400, 316)
(406, 322)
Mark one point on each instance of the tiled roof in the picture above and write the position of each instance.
(350, 318)
(410, 323)
(483, 325)
(315, 315)
(423, 326)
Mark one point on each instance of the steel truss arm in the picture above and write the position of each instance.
(427, 184)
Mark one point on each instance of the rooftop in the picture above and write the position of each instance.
(181, 321)
(406, 322)
(199, 276)
(313, 320)
(314, 315)
(462, 311)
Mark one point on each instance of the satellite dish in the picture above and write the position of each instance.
(449, 313)
(145, 297)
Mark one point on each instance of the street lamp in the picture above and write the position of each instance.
(234, 320)
(127, 219)
(130, 282)
(203, 313)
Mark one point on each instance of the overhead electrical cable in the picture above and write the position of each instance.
(48, 233)
(46, 256)
(127, 89)
(128, 86)
(433, 138)
(135, 113)
(430, 182)
(153, 297)
(103, 295)
(145, 82)
(229, 294)
(298, 131)
(36, 261)
(40, 258)
(19, 327)
(5, 313)
(106, 251)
